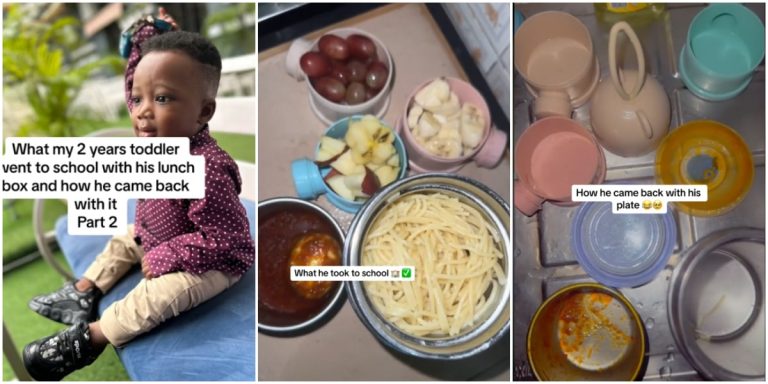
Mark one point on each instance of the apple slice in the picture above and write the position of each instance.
(386, 175)
(355, 184)
(394, 161)
(358, 138)
(362, 158)
(370, 123)
(382, 152)
(323, 157)
(332, 145)
(333, 172)
(374, 166)
(370, 182)
(384, 135)
(337, 183)
(330, 150)
(346, 165)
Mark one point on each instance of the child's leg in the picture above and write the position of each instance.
(153, 301)
(149, 304)
(120, 254)
(75, 302)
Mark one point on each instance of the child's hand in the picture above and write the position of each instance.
(145, 269)
(165, 16)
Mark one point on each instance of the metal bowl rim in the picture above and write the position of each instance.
(365, 217)
(593, 286)
(320, 316)
(679, 278)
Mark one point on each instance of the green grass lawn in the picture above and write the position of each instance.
(240, 147)
(37, 277)
(25, 326)
(18, 237)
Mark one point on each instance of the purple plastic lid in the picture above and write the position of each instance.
(622, 250)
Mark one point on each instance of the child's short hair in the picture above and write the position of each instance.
(193, 45)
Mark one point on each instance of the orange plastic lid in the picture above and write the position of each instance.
(711, 153)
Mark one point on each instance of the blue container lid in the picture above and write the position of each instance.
(307, 179)
(622, 250)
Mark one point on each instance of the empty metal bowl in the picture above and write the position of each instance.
(715, 305)
(492, 326)
(586, 332)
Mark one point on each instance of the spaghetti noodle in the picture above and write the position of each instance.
(458, 264)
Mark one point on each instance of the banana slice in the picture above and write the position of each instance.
(472, 126)
(449, 107)
(413, 116)
(444, 147)
(434, 94)
(428, 126)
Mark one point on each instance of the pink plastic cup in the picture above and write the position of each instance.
(553, 154)
(487, 154)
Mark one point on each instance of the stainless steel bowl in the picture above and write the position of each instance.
(606, 341)
(489, 329)
(715, 305)
(266, 208)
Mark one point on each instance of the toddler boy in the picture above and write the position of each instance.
(189, 250)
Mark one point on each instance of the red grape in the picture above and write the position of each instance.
(315, 64)
(330, 88)
(341, 72)
(334, 47)
(357, 71)
(377, 64)
(369, 93)
(376, 77)
(361, 47)
(355, 93)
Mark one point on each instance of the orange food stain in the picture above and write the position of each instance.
(581, 317)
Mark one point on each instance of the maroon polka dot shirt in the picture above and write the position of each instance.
(195, 236)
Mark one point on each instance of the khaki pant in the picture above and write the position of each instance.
(152, 301)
